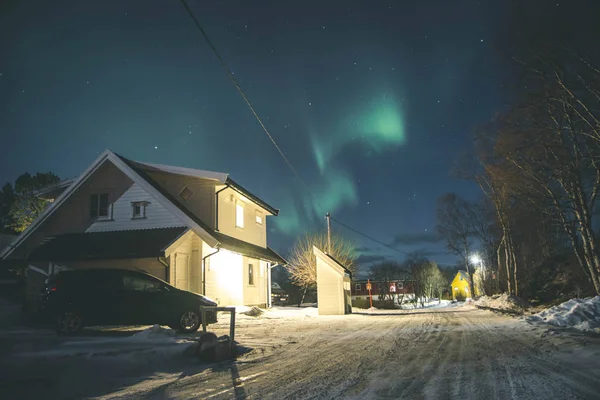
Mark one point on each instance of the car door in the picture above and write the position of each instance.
(142, 299)
(104, 297)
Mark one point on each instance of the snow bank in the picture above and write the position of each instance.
(284, 312)
(501, 302)
(580, 314)
(156, 332)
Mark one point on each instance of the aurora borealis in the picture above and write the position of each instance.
(371, 101)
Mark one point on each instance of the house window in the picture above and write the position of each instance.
(239, 215)
(185, 194)
(259, 218)
(460, 277)
(99, 207)
(251, 274)
(357, 286)
(138, 209)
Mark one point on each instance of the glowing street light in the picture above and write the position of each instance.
(475, 259)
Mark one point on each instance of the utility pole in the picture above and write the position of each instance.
(328, 216)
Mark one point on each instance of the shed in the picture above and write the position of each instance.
(333, 285)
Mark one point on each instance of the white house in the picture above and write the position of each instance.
(198, 230)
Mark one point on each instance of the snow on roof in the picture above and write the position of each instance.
(196, 173)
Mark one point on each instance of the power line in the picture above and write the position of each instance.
(241, 91)
(369, 237)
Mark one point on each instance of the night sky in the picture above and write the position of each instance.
(372, 101)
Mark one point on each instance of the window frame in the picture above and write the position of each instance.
(251, 274)
(109, 209)
(142, 205)
(239, 206)
(259, 218)
(357, 287)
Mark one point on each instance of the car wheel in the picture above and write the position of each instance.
(69, 322)
(189, 322)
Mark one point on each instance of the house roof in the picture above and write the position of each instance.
(144, 243)
(332, 261)
(225, 241)
(464, 274)
(220, 177)
(138, 173)
(248, 249)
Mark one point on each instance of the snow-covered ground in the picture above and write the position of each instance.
(291, 352)
(580, 314)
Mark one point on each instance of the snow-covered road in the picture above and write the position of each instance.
(436, 353)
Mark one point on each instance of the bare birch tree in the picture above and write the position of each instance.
(303, 263)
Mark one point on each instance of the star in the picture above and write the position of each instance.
(310, 104)
(155, 147)
(481, 40)
(368, 202)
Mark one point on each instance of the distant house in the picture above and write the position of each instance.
(379, 289)
(460, 286)
(198, 230)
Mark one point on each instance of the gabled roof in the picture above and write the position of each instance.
(144, 243)
(195, 173)
(137, 172)
(220, 177)
(332, 261)
(464, 274)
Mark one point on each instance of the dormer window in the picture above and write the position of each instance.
(99, 207)
(138, 209)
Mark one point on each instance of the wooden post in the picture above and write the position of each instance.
(369, 289)
(232, 329)
(328, 216)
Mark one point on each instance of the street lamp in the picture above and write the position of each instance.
(475, 259)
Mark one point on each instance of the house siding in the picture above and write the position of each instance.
(73, 216)
(202, 202)
(251, 232)
(157, 216)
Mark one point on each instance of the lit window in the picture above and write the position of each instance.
(99, 207)
(185, 194)
(138, 209)
(250, 274)
(239, 215)
(259, 218)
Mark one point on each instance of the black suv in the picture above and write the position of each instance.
(72, 299)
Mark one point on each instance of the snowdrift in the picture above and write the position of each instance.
(580, 314)
(501, 302)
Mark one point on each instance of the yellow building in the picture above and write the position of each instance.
(460, 286)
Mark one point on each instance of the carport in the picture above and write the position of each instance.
(333, 285)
